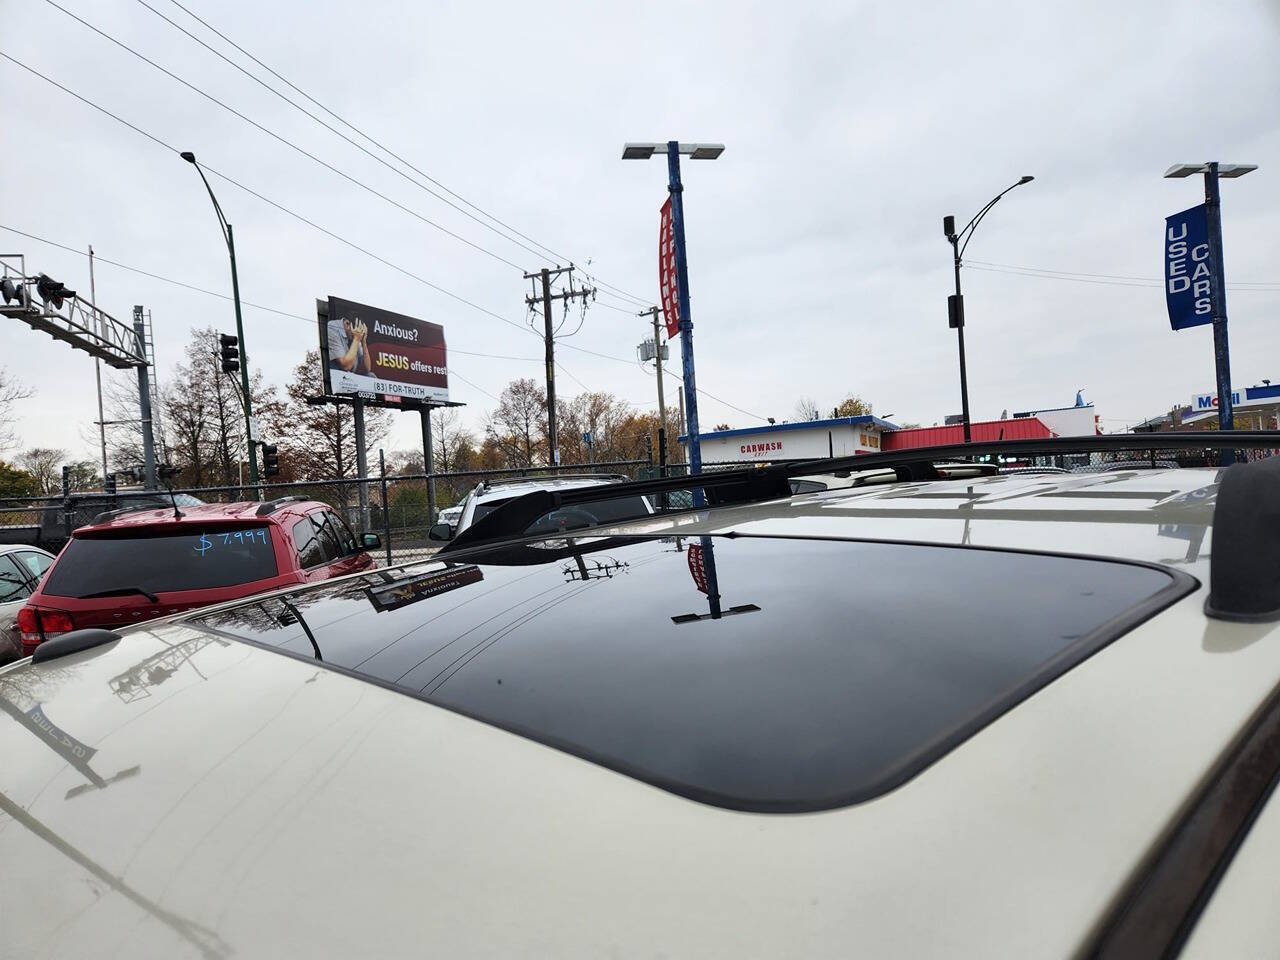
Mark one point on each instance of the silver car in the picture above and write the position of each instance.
(21, 569)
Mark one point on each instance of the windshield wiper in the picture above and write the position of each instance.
(121, 592)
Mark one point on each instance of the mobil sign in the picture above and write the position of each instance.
(1209, 401)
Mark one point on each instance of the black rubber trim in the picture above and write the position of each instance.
(1244, 573)
(1180, 585)
(72, 642)
(1162, 902)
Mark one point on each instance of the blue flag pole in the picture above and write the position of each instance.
(686, 320)
(1221, 352)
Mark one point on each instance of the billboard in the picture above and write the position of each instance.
(367, 350)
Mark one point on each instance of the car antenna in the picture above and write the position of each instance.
(166, 474)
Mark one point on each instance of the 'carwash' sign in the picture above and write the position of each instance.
(1187, 285)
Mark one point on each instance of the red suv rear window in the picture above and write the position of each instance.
(162, 561)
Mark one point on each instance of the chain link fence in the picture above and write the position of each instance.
(400, 508)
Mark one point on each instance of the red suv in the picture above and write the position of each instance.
(131, 566)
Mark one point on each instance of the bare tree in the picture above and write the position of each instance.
(806, 409)
(11, 391)
(45, 464)
(518, 425)
(320, 441)
(453, 443)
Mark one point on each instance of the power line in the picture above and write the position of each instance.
(329, 233)
(335, 132)
(381, 146)
(1103, 279)
(310, 321)
(289, 143)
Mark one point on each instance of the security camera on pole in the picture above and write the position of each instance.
(1195, 291)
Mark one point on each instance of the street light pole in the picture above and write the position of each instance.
(955, 302)
(229, 236)
(1217, 285)
(676, 189)
(696, 151)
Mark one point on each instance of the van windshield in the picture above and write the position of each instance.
(163, 561)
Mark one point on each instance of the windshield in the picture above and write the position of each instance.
(162, 562)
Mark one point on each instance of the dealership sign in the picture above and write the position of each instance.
(668, 283)
(365, 350)
(1187, 273)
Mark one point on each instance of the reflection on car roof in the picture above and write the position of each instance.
(744, 672)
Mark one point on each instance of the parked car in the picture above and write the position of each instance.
(58, 517)
(21, 569)
(1004, 716)
(132, 565)
(491, 494)
(450, 515)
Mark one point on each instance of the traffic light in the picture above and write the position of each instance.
(230, 353)
(270, 460)
(11, 289)
(53, 292)
(109, 484)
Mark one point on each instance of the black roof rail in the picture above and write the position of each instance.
(121, 511)
(753, 483)
(271, 506)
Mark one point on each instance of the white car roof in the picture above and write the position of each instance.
(506, 489)
(243, 802)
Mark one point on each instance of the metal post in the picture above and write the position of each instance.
(386, 503)
(144, 404)
(553, 438)
(681, 426)
(362, 465)
(676, 188)
(1218, 293)
(428, 463)
(97, 373)
(959, 320)
(662, 404)
(244, 370)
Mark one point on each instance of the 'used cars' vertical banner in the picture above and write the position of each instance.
(368, 350)
(1187, 287)
(667, 282)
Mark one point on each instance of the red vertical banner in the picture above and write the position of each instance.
(667, 282)
(697, 566)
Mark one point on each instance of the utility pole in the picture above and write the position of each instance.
(97, 372)
(144, 403)
(546, 297)
(662, 404)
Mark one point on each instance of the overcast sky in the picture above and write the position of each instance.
(817, 261)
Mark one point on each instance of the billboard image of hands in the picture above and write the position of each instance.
(368, 350)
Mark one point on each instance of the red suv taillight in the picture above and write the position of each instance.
(37, 625)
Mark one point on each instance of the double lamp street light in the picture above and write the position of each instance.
(955, 302)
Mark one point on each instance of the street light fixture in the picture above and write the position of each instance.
(1230, 170)
(695, 151)
(955, 303)
(229, 237)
